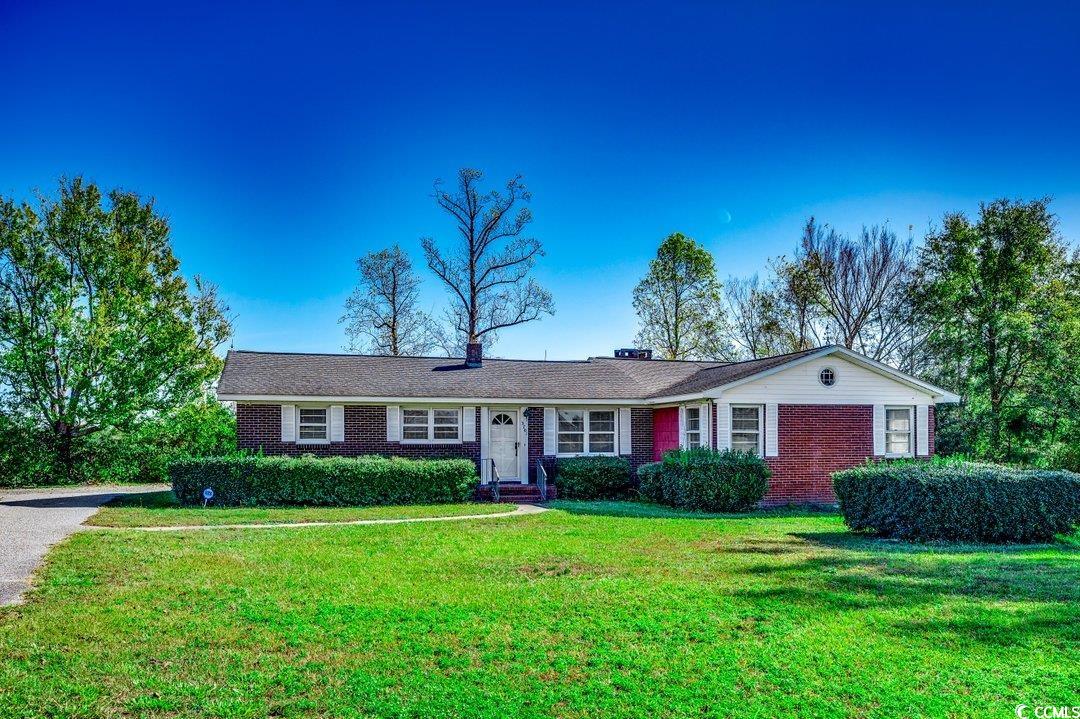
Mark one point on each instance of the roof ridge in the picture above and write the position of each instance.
(405, 357)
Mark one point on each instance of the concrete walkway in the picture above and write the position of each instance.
(519, 510)
(32, 520)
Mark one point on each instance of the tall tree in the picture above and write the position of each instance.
(862, 286)
(97, 325)
(754, 311)
(799, 313)
(382, 314)
(999, 294)
(679, 303)
(487, 272)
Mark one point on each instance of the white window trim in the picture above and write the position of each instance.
(430, 439)
(835, 376)
(761, 426)
(585, 441)
(700, 431)
(326, 425)
(910, 433)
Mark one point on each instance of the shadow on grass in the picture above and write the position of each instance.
(148, 500)
(908, 575)
(645, 510)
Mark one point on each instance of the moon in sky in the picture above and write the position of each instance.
(725, 217)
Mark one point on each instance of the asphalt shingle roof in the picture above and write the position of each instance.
(342, 375)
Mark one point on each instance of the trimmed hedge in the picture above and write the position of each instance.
(921, 501)
(593, 477)
(706, 480)
(331, 481)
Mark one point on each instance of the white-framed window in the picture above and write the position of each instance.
(746, 431)
(312, 425)
(692, 430)
(827, 376)
(899, 431)
(433, 425)
(585, 431)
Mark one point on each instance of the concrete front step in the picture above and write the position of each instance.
(514, 493)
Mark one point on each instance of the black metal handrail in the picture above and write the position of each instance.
(541, 480)
(494, 482)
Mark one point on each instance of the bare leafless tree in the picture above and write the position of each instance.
(487, 274)
(382, 313)
(862, 286)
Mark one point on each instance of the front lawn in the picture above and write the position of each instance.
(574, 612)
(161, 509)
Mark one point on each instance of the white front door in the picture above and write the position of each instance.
(504, 443)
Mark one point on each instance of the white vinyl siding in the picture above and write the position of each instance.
(431, 425)
(746, 428)
(800, 385)
(899, 429)
(584, 431)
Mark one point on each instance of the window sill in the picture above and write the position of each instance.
(301, 442)
(587, 454)
(430, 441)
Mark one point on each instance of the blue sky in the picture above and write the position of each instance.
(283, 140)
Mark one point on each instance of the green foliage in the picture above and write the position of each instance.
(198, 429)
(705, 480)
(593, 477)
(24, 457)
(142, 453)
(678, 303)
(331, 481)
(98, 328)
(1002, 298)
(959, 501)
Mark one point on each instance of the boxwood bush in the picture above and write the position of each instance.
(921, 501)
(593, 477)
(331, 481)
(706, 480)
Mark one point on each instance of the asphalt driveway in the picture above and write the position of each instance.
(32, 520)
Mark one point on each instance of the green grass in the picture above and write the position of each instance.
(161, 509)
(576, 612)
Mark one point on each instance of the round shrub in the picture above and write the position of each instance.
(651, 483)
(923, 501)
(706, 480)
(593, 477)
(331, 481)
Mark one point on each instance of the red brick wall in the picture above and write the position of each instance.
(814, 441)
(258, 426)
(665, 424)
(641, 438)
